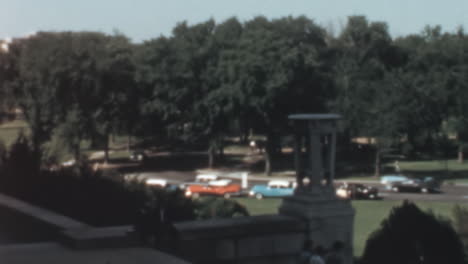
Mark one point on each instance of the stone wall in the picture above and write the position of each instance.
(255, 239)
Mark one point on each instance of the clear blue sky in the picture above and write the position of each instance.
(145, 19)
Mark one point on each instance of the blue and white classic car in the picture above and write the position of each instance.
(389, 180)
(274, 188)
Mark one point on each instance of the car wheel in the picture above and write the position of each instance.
(259, 196)
(371, 196)
(395, 189)
(227, 195)
(195, 195)
(424, 190)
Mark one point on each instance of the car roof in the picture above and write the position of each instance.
(206, 176)
(219, 182)
(152, 181)
(279, 182)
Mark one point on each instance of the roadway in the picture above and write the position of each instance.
(449, 193)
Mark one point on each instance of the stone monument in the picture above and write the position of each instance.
(329, 218)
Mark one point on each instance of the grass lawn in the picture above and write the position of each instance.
(434, 165)
(369, 214)
(8, 135)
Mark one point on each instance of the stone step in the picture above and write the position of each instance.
(99, 237)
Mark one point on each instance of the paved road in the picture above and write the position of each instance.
(449, 193)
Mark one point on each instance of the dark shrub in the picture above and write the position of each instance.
(17, 172)
(410, 235)
(212, 207)
(3, 155)
(156, 214)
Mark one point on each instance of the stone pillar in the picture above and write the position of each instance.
(315, 155)
(328, 218)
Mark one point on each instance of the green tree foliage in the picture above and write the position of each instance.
(281, 71)
(366, 69)
(192, 85)
(410, 235)
(7, 73)
(37, 80)
(81, 81)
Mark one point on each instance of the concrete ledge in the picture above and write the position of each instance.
(44, 215)
(105, 237)
(238, 226)
(241, 239)
(74, 234)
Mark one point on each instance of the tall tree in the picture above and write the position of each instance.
(39, 83)
(281, 71)
(365, 61)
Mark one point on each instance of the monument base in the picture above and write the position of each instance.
(329, 219)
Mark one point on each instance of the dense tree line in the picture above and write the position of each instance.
(194, 84)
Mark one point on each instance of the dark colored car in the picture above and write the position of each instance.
(357, 191)
(426, 185)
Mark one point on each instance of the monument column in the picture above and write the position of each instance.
(329, 219)
(315, 155)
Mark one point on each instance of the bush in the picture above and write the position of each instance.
(410, 235)
(211, 207)
(160, 208)
(18, 168)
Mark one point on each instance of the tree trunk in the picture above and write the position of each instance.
(221, 150)
(377, 162)
(211, 154)
(268, 154)
(106, 149)
(460, 154)
(37, 154)
(129, 142)
(77, 153)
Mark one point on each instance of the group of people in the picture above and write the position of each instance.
(312, 254)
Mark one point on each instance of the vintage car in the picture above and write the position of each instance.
(389, 180)
(138, 155)
(274, 188)
(425, 185)
(220, 188)
(357, 191)
(162, 183)
(206, 177)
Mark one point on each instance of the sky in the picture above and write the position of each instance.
(146, 19)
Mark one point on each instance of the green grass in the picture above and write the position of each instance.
(9, 131)
(9, 135)
(369, 214)
(14, 124)
(433, 165)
